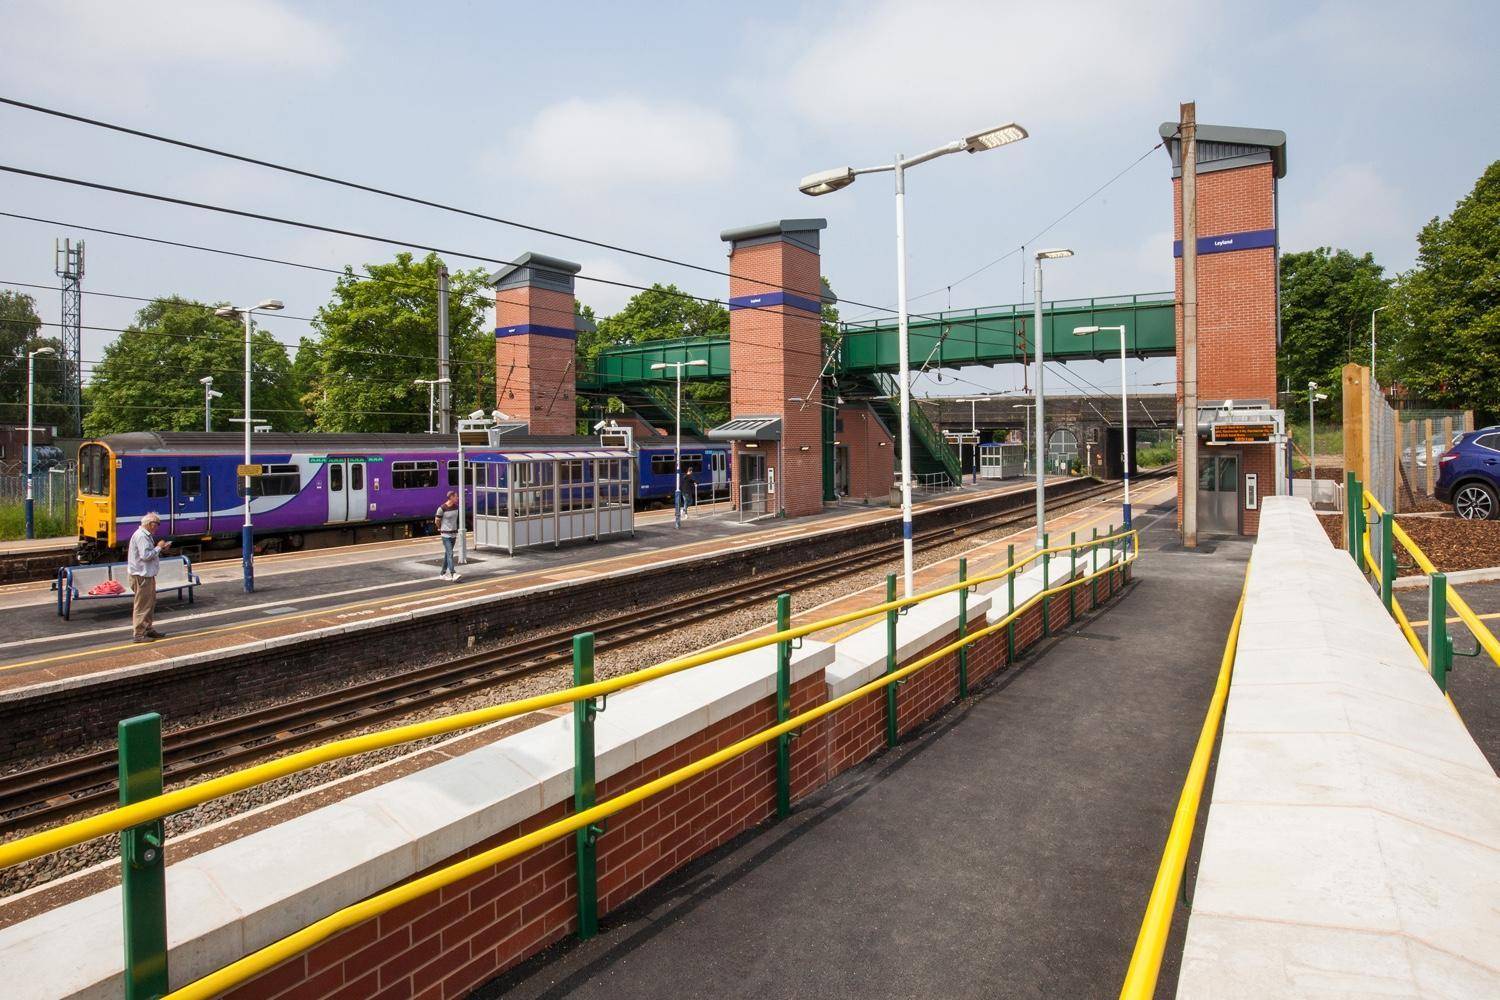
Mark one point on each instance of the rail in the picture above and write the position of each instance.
(142, 837)
(1371, 537)
(1151, 942)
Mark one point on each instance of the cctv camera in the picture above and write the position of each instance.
(207, 380)
(477, 415)
(601, 425)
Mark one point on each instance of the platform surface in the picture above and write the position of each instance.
(1008, 853)
(303, 592)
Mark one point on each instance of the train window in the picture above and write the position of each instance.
(93, 470)
(357, 476)
(476, 473)
(158, 482)
(192, 480)
(336, 477)
(414, 475)
(276, 481)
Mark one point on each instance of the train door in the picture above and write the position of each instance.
(190, 500)
(348, 498)
(719, 470)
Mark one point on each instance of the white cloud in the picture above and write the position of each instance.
(970, 63)
(1351, 206)
(622, 141)
(122, 53)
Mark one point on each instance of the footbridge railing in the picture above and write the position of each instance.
(146, 805)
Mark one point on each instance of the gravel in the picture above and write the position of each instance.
(610, 662)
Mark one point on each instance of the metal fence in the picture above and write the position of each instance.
(53, 489)
(932, 482)
(1382, 446)
(1423, 436)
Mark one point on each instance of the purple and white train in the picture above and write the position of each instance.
(309, 483)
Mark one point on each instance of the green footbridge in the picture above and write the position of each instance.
(866, 358)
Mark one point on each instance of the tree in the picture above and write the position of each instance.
(20, 329)
(1445, 316)
(148, 379)
(379, 334)
(1326, 298)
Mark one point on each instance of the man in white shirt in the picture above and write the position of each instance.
(142, 563)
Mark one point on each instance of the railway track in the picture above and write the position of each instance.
(88, 781)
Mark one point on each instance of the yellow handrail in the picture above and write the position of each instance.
(274, 954)
(1151, 942)
(1482, 635)
(178, 800)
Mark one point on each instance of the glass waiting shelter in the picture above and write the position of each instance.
(528, 498)
(1002, 461)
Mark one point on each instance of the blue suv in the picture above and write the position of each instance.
(1469, 475)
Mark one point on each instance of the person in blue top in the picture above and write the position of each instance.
(142, 564)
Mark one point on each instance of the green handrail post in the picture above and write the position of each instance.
(1046, 600)
(585, 840)
(963, 628)
(890, 661)
(143, 868)
(1072, 575)
(1094, 563)
(783, 707)
(1439, 645)
(1353, 501)
(1010, 593)
(1387, 559)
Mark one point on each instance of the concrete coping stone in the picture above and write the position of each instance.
(250, 892)
(1353, 838)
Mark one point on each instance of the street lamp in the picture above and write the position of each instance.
(677, 367)
(1372, 341)
(1313, 396)
(1041, 365)
(829, 181)
(1025, 440)
(209, 395)
(1084, 331)
(247, 543)
(974, 430)
(30, 430)
(431, 384)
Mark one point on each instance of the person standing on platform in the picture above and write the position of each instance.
(142, 564)
(689, 488)
(446, 522)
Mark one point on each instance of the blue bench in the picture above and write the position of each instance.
(73, 583)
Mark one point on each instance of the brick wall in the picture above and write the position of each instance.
(447, 943)
(775, 353)
(534, 377)
(1236, 308)
(872, 454)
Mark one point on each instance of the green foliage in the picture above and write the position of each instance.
(380, 335)
(1152, 455)
(1445, 319)
(60, 521)
(20, 329)
(148, 379)
(1326, 298)
(661, 312)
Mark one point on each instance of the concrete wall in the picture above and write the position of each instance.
(252, 891)
(1353, 840)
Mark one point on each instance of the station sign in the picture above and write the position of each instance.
(1243, 432)
(961, 437)
(243, 471)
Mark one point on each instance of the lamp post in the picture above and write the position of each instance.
(209, 395)
(1025, 440)
(677, 367)
(31, 357)
(1041, 367)
(1372, 341)
(1084, 331)
(829, 181)
(1313, 396)
(431, 384)
(247, 544)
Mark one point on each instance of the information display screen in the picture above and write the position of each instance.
(1243, 432)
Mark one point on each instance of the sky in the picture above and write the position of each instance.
(656, 126)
